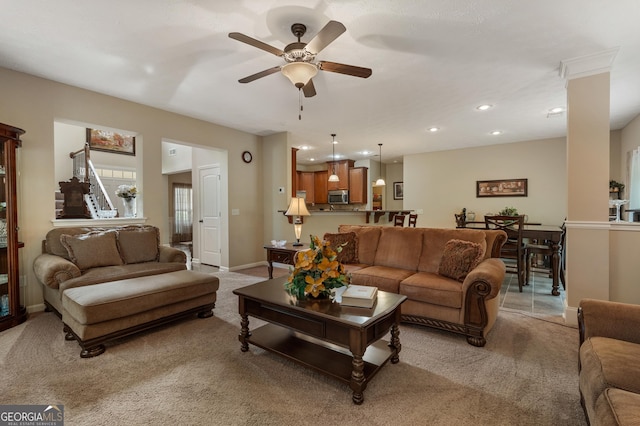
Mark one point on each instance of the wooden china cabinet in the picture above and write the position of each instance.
(12, 309)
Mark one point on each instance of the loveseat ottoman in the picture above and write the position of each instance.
(98, 313)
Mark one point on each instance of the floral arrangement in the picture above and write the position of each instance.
(127, 191)
(316, 271)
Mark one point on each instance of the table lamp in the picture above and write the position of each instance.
(297, 208)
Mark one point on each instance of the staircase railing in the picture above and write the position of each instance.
(83, 169)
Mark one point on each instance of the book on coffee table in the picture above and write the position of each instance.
(359, 295)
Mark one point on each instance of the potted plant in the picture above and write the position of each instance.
(316, 272)
(615, 186)
(508, 211)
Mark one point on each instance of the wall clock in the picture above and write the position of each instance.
(247, 157)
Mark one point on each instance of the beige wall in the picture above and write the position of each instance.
(442, 183)
(34, 104)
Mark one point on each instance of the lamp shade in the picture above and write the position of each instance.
(299, 73)
(380, 182)
(297, 207)
(334, 178)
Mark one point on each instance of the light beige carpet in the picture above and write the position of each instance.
(193, 373)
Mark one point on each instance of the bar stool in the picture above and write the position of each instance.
(413, 219)
(398, 220)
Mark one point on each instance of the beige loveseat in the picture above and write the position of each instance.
(451, 277)
(608, 362)
(107, 282)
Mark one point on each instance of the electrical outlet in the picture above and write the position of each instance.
(420, 211)
(235, 212)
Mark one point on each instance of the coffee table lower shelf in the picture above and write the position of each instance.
(324, 357)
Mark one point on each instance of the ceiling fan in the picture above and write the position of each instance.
(300, 57)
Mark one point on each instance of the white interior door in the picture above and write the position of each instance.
(210, 216)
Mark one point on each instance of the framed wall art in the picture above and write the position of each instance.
(501, 188)
(117, 143)
(398, 190)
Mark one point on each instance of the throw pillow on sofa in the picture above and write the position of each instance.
(92, 249)
(138, 244)
(349, 253)
(459, 258)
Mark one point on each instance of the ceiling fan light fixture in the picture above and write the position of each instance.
(299, 73)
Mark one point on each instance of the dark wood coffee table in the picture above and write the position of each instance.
(339, 341)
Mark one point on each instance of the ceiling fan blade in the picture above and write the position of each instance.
(256, 43)
(327, 34)
(260, 74)
(309, 89)
(344, 69)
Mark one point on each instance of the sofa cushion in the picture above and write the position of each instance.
(138, 244)
(617, 407)
(368, 237)
(399, 248)
(383, 277)
(120, 272)
(92, 249)
(349, 243)
(435, 239)
(459, 258)
(432, 288)
(607, 363)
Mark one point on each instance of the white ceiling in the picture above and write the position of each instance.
(433, 62)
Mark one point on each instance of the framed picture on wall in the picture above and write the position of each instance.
(117, 143)
(501, 188)
(398, 190)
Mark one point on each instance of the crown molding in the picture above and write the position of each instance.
(584, 66)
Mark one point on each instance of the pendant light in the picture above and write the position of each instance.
(334, 177)
(380, 181)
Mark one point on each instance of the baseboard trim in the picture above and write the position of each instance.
(570, 315)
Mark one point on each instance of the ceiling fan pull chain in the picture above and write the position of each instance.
(300, 103)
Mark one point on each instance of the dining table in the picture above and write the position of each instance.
(540, 232)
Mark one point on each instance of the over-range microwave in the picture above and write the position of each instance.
(338, 197)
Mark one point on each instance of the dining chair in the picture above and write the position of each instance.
(513, 248)
(413, 220)
(398, 220)
(545, 248)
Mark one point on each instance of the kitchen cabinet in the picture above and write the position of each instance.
(12, 308)
(321, 181)
(342, 170)
(358, 185)
(306, 182)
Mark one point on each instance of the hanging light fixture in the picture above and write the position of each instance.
(334, 177)
(380, 181)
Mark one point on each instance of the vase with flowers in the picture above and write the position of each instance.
(128, 194)
(316, 272)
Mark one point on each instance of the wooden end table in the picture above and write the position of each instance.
(283, 254)
(341, 342)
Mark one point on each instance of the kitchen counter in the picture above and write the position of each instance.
(376, 214)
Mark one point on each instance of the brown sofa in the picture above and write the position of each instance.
(608, 362)
(107, 282)
(451, 277)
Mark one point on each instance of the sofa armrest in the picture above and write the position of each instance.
(51, 270)
(491, 272)
(609, 319)
(172, 254)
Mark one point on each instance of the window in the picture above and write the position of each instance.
(182, 212)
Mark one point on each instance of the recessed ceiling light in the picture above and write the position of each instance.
(556, 110)
(304, 147)
(366, 153)
(434, 129)
(496, 132)
(312, 159)
(484, 107)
